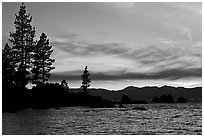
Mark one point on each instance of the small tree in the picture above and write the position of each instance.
(42, 61)
(64, 84)
(23, 42)
(86, 80)
(8, 65)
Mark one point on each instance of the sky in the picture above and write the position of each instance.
(123, 44)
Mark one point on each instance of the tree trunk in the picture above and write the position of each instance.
(23, 67)
(43, 67)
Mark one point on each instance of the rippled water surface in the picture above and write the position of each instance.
(158, 119)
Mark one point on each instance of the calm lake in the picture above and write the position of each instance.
(176, 119)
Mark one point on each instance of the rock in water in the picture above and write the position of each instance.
(121, 106)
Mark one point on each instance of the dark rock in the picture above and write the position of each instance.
(121, 106)
(176, 116)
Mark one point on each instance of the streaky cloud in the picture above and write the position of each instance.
(171, 74)
(79, 48)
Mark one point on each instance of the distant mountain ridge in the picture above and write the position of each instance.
(147, 93)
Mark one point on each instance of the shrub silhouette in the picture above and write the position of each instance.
(126, 100)
(181, 100)
(163, 99)
(156, 100)
(49, 94)
(57, 95)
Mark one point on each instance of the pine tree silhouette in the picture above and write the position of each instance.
(23, 42)
(64, 84)
(85, 80)
(42, 63)
(8, 64)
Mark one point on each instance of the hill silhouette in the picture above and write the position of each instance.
(147, 93)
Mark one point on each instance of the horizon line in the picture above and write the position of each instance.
(151, 86)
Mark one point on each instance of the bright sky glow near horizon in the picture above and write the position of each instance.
(123, 44)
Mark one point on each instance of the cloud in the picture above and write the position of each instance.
(81, 48)
(148, 58)
(164, 57)
(168, 42)
(188, 32)
(171, 74)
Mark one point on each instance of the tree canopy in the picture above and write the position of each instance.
(86, 80)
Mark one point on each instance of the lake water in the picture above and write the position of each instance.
(176, 119)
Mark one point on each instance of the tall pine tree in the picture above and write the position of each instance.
(42, 61)
(86, 80)
(23, 42)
